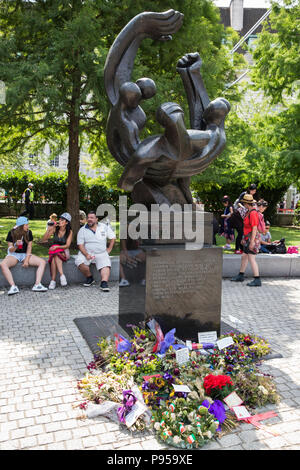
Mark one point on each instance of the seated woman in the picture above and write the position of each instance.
(19, 241)
(59, 251)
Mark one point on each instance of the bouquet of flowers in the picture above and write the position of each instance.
(255, 390)
(218, 386)
(184, 423)
(132, 357)
(101, 386)
(252, 345)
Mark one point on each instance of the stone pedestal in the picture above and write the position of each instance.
(175, 283)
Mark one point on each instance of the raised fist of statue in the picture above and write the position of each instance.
(190, 61)
(161, 26)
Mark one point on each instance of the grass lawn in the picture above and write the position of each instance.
(38, 228)
(291, 235)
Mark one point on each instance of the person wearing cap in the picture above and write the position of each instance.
(19, 241)
(29, 204)
(92, 244)
(59, 251)
(250, 242)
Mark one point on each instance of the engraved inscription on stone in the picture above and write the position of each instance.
(183, 290)
(168, 279)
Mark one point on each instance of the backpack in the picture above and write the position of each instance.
(278, 248)
(261, 222)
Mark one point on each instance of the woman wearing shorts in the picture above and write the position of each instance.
(250, 242)
(59, 251)
(19, 241)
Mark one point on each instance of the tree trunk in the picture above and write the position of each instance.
(74, 157)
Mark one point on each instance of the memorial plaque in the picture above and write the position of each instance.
(183, 290)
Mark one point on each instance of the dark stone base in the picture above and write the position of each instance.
(182, 289)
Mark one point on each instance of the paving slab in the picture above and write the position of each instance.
(42, 355)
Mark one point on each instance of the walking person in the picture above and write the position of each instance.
(59, 251)
(226, 229)
(29, 204)
(19, 241)
(92, 243)
(250, 242)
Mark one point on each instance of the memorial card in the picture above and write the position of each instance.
(225, 342)
(241, 412)
(181, 388)
(233, 400)
(182, 356)
(207, 337)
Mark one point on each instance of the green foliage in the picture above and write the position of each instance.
(52, 187)
(277, 58)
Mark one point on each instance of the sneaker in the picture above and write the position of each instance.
(13, 290)
(89, 281)
(254, 283)
(104, 286)
(124, 283)
(52, 285)
(238, 252)
(39, 288)
(63, 280)
(238, 278)
(226, 247)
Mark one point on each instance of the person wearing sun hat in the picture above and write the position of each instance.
(250, 242)
(59, 251)
(19, 241)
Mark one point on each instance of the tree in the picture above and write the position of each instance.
(276, 71)
(53, 74)
(52, 54)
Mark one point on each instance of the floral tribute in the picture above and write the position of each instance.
(217, 386)
(142, 378)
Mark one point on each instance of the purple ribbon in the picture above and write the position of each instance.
(129, 400)
(217, 410)
(169, 340)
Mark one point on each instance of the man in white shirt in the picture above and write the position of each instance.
(92, 244)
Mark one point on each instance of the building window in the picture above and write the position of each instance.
(251, 41)
(54, 161)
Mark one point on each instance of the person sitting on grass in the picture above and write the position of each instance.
(59, 250)
(92, 244)
(19, 241)
(266, 239)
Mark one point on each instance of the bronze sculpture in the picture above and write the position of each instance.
(158, 169)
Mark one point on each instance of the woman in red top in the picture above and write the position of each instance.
(251, 242)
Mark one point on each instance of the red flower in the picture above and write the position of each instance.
(216, 381)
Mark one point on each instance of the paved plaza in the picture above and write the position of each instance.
(42, 355)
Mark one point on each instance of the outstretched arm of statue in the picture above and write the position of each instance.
(120, 60)
(189, 69)
(214, 139)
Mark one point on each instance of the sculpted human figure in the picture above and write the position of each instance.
(158, 169)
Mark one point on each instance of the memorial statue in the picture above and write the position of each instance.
(158, 169)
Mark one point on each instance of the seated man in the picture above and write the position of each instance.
(92, 244)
